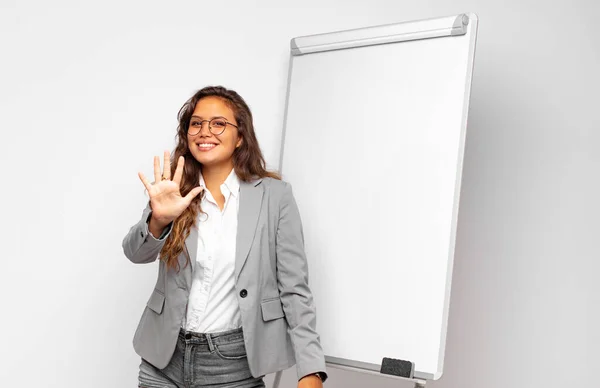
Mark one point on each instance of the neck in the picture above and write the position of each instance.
(214, 176)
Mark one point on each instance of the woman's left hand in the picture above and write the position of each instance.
(310, 381)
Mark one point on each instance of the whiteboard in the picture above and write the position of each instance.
(373, 141)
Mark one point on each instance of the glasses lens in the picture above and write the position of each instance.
(194, 128)
(218, 126)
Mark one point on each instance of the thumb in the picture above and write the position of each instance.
(193, 193)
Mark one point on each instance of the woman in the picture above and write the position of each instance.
(231, 302)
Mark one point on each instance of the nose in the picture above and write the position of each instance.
(202, 133)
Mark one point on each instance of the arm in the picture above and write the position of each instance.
(295, 294)
(139, 245)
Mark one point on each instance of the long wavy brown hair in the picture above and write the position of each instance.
(248, 162)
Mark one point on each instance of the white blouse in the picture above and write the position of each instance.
(212, 304)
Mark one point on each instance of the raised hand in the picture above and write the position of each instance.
(165, 197)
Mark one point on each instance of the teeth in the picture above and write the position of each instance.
(206, 145)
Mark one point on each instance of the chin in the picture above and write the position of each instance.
(208, 161)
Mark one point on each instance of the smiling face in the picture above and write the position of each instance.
(208, 149)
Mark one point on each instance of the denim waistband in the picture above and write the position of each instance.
(218, 337)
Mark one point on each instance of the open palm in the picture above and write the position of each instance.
(165, 197)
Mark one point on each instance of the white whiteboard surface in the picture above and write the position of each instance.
(373, 147)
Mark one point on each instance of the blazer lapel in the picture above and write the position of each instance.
(191, 244)
(251, 194)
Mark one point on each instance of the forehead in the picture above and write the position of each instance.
(209, 107)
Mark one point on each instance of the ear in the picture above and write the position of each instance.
(239, 143)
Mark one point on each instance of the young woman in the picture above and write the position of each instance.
(231, 302)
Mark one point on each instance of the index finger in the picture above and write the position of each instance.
(179, 170)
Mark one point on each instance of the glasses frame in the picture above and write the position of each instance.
(210, 126)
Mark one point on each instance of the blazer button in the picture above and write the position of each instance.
(243, 293)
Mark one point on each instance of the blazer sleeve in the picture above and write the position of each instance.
(294, 291)
(139, 245)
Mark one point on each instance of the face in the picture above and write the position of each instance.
(221, 148)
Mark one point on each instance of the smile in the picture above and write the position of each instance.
(206, 147)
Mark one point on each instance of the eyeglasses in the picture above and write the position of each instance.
(216, 126)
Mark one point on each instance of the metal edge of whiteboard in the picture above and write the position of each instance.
(365, 367)
(285, 113)
(367, 36)
(474, 22)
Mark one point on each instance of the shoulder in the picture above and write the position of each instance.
(278, 189)
(276, 185)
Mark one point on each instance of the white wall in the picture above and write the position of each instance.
(89, 94)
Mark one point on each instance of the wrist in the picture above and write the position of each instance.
(158, 222)
(156, 227)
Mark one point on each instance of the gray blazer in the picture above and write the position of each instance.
(271, 281)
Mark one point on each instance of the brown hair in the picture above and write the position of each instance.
(248, 161)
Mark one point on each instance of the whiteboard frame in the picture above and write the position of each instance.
(455, 25)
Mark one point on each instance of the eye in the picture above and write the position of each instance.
(219, 123)
(193, 123)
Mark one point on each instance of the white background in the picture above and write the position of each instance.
(89, 93)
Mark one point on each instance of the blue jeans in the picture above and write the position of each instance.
(215, 360)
